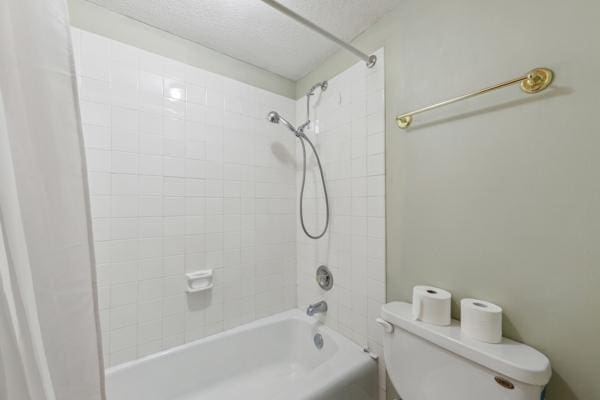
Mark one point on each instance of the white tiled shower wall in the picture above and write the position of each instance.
(348, 131)
(185, 174)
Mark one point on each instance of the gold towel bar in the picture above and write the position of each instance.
(535, 81)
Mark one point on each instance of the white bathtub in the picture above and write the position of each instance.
(272, 358)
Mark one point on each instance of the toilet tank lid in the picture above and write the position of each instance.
(512, 359)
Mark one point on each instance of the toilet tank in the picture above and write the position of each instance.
(428, 362)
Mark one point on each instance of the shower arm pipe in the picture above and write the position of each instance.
(369, 59)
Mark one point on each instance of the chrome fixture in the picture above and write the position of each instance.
(535, 81)
(324, 278)
(371, 60)
(317, 308)
(323, 85)
(318, 341)
(275, 118)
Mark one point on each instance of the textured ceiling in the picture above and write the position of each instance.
(252, 31)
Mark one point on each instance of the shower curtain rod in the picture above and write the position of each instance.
(369, 59)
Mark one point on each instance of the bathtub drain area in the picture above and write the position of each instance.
(318, 340)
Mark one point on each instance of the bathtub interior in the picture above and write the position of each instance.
(276, 352)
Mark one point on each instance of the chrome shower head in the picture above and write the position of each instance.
(274, 118)
(323, 85)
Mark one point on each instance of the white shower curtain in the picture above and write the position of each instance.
(49, 339)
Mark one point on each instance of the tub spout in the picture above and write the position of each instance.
(317, 308)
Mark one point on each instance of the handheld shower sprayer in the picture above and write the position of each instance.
(275, 118)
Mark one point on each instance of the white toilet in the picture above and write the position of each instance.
(428, 362)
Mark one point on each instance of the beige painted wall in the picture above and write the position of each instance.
(92, 18)
(498, 197)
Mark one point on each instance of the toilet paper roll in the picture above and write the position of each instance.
(481, 320)
(431, 305)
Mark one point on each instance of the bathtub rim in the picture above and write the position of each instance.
(343, 343)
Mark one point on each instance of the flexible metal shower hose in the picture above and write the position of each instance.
(302, 138)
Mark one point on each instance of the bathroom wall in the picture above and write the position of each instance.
(348, 131)
(185, 174)
(497, 197)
